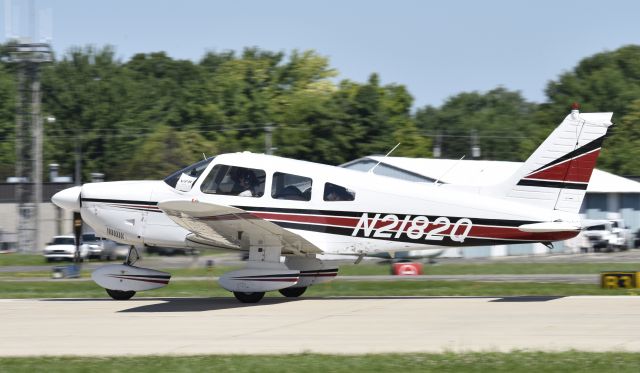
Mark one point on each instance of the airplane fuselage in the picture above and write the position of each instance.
(385, 214)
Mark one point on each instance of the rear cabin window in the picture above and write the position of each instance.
(333, 192)
(234, 181)
(291, 187)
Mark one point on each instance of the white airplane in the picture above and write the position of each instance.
(272, 206)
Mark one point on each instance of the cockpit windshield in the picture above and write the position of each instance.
(184, 179)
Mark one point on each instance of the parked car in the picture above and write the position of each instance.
(609, 235)
(625, 236)
(95, 245)
(112, 250)
(64, 248)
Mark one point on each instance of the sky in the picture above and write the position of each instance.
(435, 48)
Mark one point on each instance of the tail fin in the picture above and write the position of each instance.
(556, 175)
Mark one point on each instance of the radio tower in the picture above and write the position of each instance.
(28, 57)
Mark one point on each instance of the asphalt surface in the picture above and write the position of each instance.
(343, 325)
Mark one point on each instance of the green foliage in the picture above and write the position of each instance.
(144, 117)
(501, 119)
(621, 151)
(604, 82)
(7, 121)
(165, 151)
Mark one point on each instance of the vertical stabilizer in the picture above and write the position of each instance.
(556, 175)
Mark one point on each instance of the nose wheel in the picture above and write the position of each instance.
(248, 297)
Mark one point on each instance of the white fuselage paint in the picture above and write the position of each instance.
(387, 214)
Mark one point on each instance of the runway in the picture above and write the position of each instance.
(344, 325)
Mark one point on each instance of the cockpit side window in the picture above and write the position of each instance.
(333, 192)
(234, 181)
(291, 187)
(184, 179)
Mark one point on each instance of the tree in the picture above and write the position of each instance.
(621, 150)
(501, 119)
(166, 151)
(604, 82)
(7, 123)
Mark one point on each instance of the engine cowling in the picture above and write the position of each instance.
(125, 277)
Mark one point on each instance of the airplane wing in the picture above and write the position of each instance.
(234, 228)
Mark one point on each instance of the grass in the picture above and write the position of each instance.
(87, 289)
(15, 259)
(495, 268)
(363, 269)
(518, 361)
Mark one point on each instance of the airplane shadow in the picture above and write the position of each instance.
(221, 303)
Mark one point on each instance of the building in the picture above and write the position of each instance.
(53, 220)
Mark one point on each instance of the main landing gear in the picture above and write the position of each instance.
(245, 297)
(255, 297)
(265, 272)
(293, 292)
(120, 295)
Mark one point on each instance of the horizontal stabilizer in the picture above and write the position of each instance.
(549, 227)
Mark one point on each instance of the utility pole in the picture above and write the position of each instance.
(28, 57)
(475, 145)
(437, 146)
(268, 133)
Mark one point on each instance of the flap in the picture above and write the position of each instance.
(231, 227)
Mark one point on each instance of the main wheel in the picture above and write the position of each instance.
(248, 297)
(120, 295)
(293, 292)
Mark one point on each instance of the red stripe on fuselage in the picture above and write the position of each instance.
(478, 231)
(313, 219)
(513, 233)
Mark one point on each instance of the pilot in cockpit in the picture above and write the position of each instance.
(246, 183)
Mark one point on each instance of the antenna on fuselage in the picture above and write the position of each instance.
(204, 156)
(447, 171)
(380, 161)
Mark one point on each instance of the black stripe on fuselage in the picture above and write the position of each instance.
(446, 240)
(356, 214)
(348, 231)
(148, 203)
(348, 214)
